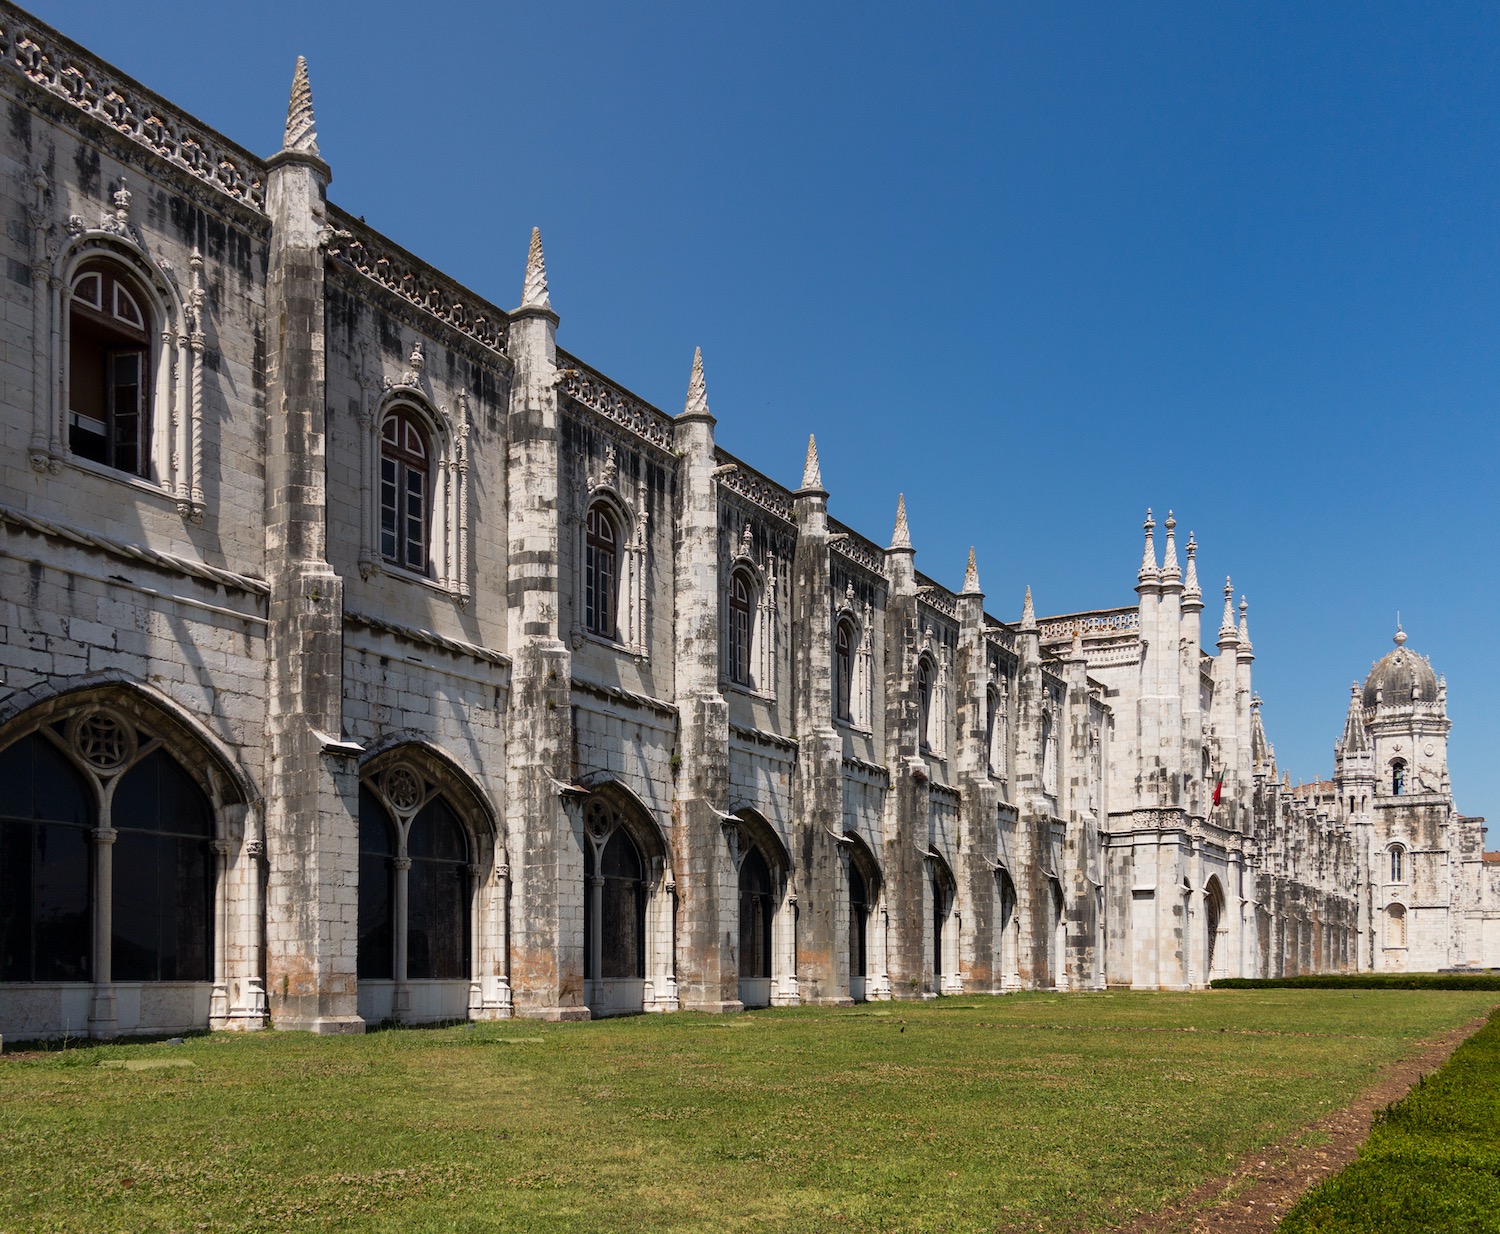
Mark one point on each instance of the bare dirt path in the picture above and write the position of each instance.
(1261, 1190)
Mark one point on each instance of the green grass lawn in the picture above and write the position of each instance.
(1432, 1162)
(1031, 1112)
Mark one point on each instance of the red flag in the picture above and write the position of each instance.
(1218, 789)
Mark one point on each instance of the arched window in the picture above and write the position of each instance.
(756, 911)
(1398, 864)
(423, 865)
(95, 800)
(616, 927)
(843, 670)
(1213, 913)
(405, 491)
(943, 889)
(601, 573)
(163, 874)
(924, 702)
(1398, 777)
(46, 864)
(991, 721)
(109, 369)
(859, 916)
(741, 627)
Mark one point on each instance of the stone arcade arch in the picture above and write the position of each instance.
(132, 893)
(628, 906)
(434, 884)
(767, 913)
(943, 942)
(1215, 930)
(865, 924)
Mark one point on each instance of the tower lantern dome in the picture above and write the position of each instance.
(1400, 678)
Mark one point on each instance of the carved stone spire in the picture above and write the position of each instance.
(301, 128)
(697, 392)
(534, 290)
(1170, 570)
(1190, 589)
(1355, 740)
(1244, 624)
(1028, 612)
(971, 576)
(812, 475)
(901, 537)
(1149, 571)
(1226, 627)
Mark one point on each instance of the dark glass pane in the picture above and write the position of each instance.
(135, 943)
(158, 795)
(436, 833)
(437, 921)
(62, 888)
(186, 909)
(858, 909)
(621, 860)
(754, 874)
(61, 794)
(376, 835)
(623, 928)
(375, 953)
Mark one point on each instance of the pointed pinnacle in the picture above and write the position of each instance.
(901, 537)
(1149, 569)
(1244, 624)
(812, 474)
(1169, 568)
(697, 392)
(971, 576)
(1226, 627)
(534, 289)
(1190, 588)
(301, 128)
(1028, 611)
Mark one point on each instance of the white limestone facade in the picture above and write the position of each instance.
(365, 656)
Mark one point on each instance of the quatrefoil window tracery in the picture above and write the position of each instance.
(104, 740)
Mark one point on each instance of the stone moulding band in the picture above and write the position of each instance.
(426, 638)
(755, 488)
(1112, 621)
(134, 552)
(47, 60)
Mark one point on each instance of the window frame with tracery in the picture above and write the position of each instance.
(405, 455)
(601, 573)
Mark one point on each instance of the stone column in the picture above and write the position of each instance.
(979, 841)
(102, 1019)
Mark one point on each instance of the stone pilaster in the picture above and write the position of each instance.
(312, 790)
(979, 845)
(818, 780)
(903, 865)
(545, 838)
(707, 887)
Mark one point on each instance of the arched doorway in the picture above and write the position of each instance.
(942, 954)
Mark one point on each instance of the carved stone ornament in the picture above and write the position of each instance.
(103, 740)
(403, 788)
(745, 539)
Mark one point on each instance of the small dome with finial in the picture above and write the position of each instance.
(1401, 678)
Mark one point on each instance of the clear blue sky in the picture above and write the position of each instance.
(1037, 266)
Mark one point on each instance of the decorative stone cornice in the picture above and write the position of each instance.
(425, 638)
(436, 295)
(758, 490)
(66, 72)
(591, 389)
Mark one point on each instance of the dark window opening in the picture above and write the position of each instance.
(859, 914)
(622, 910)
(437, 895)
(376, 947)
(924, 703)
(109, 417)
(600, 573)
(741, 601)
(756, 911)
(843, 670)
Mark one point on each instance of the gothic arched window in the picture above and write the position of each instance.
(109, 369)
(756, 911)
(437, 895)
(859, 914)
(601, 572)
(405, 491)
(1398, 777)
(924, 702)
(1398, 863)
(741, 627)
(375, 949)
(618, 930)
(843, 670)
